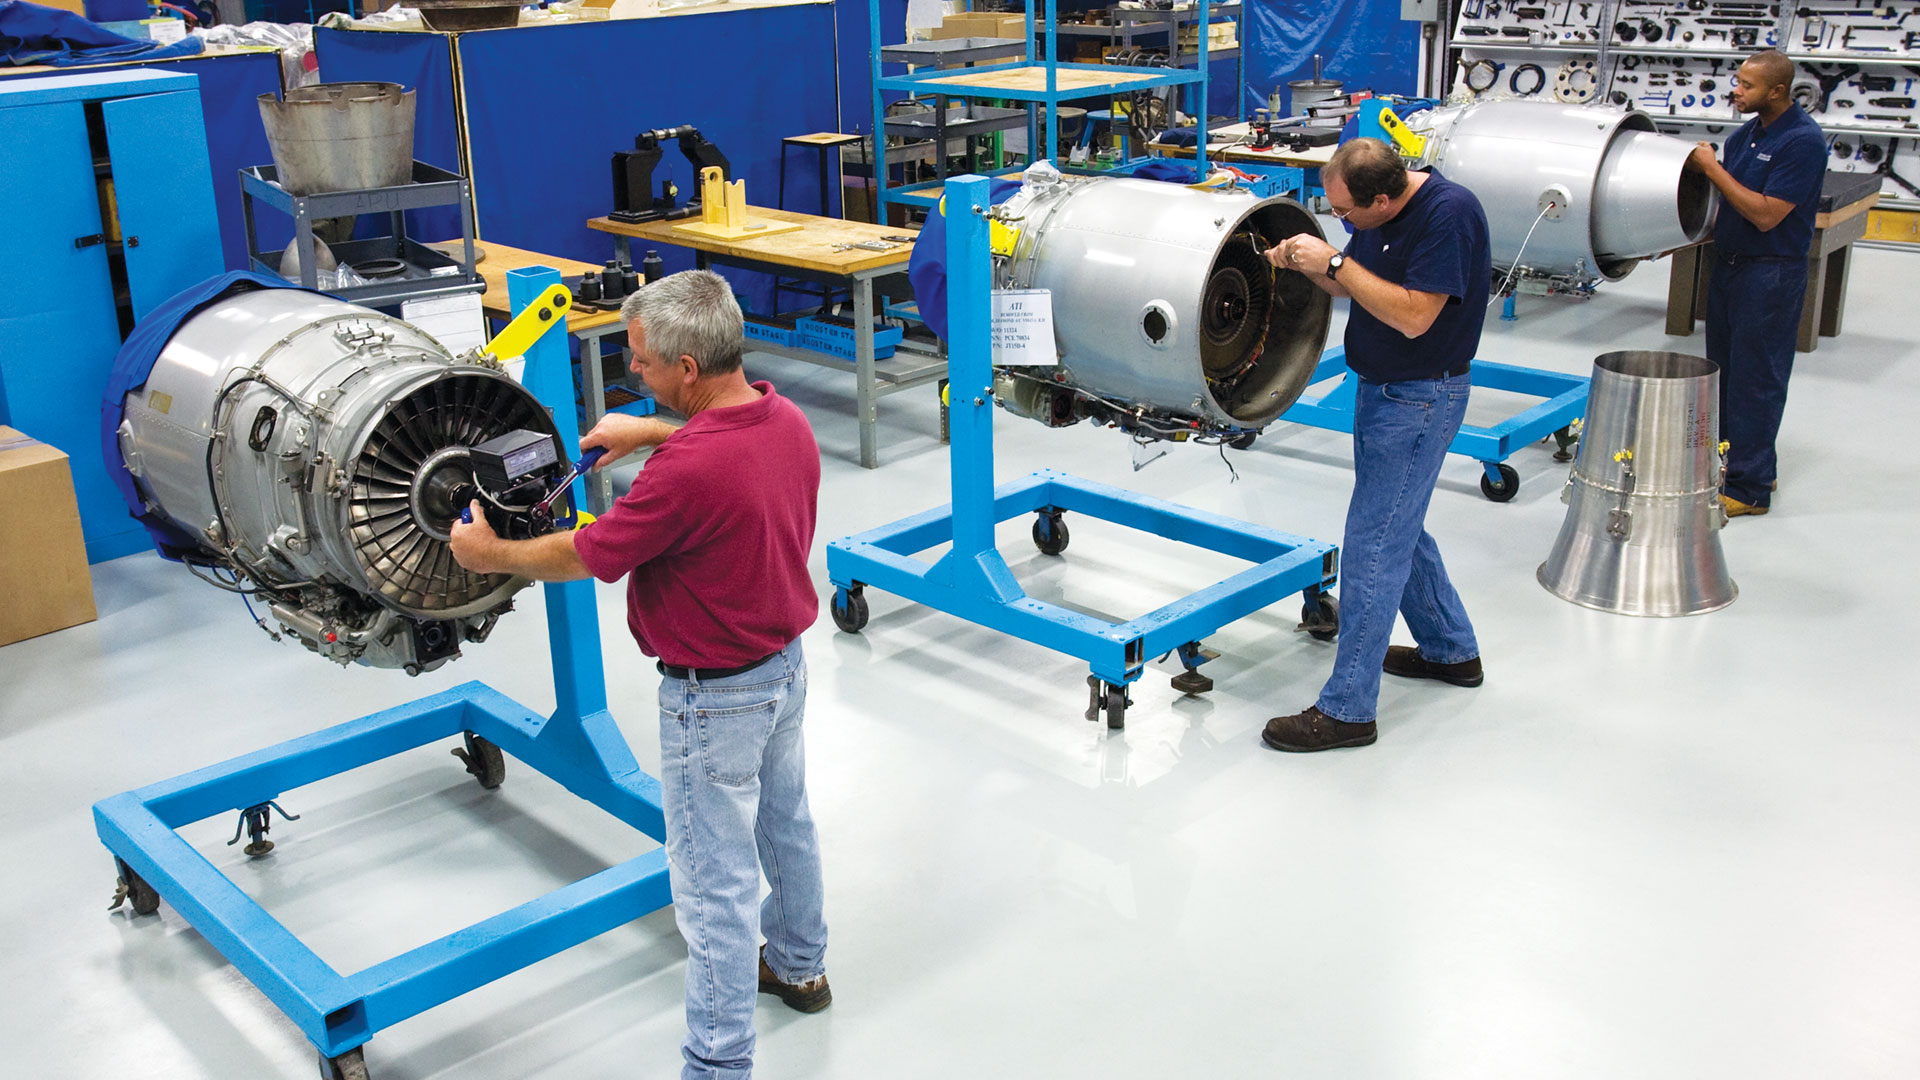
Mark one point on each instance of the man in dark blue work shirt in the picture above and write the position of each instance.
(1770, 187)
(1418, 271)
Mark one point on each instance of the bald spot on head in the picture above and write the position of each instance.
(1770, 66)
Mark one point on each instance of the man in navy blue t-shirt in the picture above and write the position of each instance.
(1418, 271)
(1770, 190)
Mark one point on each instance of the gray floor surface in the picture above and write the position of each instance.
(1674, 849)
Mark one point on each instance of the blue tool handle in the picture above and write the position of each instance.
(589, 459)
(466, 515)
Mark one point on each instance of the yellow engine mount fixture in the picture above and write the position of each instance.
(723, 211)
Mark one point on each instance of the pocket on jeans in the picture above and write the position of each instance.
(1421, 392)
(733, 739)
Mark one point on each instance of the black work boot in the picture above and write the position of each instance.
(1305, 732)
(808, 997)
(1406, 662)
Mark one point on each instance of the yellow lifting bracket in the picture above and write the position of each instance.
(1411, 145)
(547, 310)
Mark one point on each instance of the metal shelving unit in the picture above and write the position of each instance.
(1045, 81)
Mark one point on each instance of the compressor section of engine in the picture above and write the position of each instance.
(318, 452)
(1168, 320)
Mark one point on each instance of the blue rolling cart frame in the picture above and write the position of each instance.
(972, 579)
(1564, 401)
(579, 746)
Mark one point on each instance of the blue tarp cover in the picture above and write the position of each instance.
(33, 34)
(130, 370)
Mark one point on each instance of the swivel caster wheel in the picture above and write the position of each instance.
(1320, 616)
(1050, 533)
(1243, 441)
(1107, 698)
(849, 609)
(1505, 488)
(351, 1065)
(483, 760)
(134, 891)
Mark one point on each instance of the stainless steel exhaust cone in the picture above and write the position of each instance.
(1642, 532)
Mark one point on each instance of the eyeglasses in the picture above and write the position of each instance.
(1341, 215)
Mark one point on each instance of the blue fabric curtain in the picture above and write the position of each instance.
(1362, 43)
(548, 106)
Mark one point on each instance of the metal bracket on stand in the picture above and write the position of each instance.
(578, 745)
(972, 580)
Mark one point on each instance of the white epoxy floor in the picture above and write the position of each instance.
(1648, 849)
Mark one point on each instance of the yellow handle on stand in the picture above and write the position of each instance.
(548, 310)
(1410, 145)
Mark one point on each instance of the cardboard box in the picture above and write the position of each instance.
(44, 583)
(981, 24)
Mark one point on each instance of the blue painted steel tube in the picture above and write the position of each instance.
(267, 953)
(442, 970)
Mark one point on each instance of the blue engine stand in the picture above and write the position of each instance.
(1564, 401)
(972, 580)
(579, 746)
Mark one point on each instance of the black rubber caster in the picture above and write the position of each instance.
(1244, 440)
(1105, 698)
(1320, 617)
(1050, 533)
(351, 1065)
(483, 760)
(1507, 487)
(852, 616)
(134, 891)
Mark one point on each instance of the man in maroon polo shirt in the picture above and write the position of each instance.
(713, 539)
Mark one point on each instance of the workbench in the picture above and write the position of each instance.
(1224, 145)
(810, 253)
(1828, 260)
(588, 326)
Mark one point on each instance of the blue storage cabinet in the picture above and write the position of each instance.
(112, 213)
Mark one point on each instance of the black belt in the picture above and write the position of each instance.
(702, 674)
(1735, 260)
(1451, 373)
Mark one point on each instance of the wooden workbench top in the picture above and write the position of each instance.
(1033, 79)
(810, 247)
(501, 258)
(1842, 213)
(1313, 157)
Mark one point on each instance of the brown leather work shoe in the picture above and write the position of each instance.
(1735, 508)
(1406, 662)
(1305, 732)
(808, 997)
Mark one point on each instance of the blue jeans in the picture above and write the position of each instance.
(1388, 561)
(733, 776)
(1753, 323)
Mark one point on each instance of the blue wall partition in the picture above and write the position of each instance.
(423, 63)
(545, 108)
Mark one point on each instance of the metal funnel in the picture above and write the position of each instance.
(1642, 531)
(347, 136)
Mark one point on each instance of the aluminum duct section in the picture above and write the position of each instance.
(1642, 531)
(1621, 190)
(1168, 319)
(319, 450)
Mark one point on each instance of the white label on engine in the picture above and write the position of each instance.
(1023, 328)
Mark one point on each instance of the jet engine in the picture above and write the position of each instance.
(1588, 190)
(316, 454)
(1168, 320)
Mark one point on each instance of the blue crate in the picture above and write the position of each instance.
(771, 333)
(833, 338)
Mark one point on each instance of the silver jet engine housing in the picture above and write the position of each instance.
(1620, 191)
(1168, 319)
(318, 451)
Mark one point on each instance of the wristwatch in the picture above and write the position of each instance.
(1334, 263)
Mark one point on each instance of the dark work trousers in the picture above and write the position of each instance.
(1753, 317)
